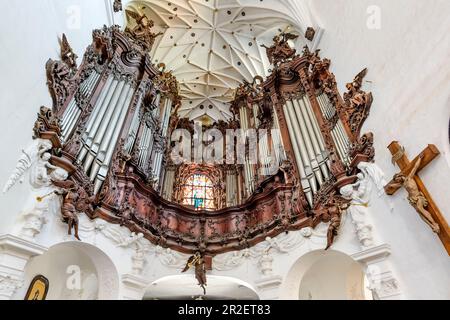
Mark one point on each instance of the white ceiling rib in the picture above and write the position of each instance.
(213, 45)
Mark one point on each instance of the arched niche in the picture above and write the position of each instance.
(185, 287)
(75, 271)
(325, 275)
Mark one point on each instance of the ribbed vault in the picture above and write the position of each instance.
(213, 45)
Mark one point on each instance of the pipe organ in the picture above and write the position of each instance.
(112, 124)
(123, 97)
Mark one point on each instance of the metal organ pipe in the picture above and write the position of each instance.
(113, 126)
(94, 118)
(231, 189)
(314, 137)
(317, 131)
(166, 118)
(249, 177)
(338, 133)
(308, 168)
(277, 139)
(308, 142)
(300, 164)
(168, 185)
(132, 134)
(73, 111)
(97, 133)
(110, 147)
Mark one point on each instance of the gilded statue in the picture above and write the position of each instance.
(142, 31)
(198, 262)
(416, 198)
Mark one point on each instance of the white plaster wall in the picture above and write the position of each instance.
(409, 73)
(29, 34)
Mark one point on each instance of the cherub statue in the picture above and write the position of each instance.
(43, 165)
(333, 229)
(76, 199)
(67, 54)
(332, 212)
(142, 31)
(355, 97)
(117, 5)
(68, 210)
(198, 262)
(287, 169)
(281, 50)
(416, 198)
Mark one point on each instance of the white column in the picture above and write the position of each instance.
(15, 253)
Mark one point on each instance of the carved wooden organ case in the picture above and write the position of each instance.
(113, 116)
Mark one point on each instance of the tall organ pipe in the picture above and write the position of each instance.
(98, 131)
(302, 148)
(308, 142)
(300, 165)
(314, 136)
(73, 112)
(103, 171)
(114, 125)
(105, 95)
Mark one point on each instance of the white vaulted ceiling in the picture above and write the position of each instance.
(213, 45)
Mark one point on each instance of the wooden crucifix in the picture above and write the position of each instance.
(418, 195)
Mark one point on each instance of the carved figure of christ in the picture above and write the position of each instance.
(418, 195)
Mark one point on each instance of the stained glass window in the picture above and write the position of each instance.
(198, 192)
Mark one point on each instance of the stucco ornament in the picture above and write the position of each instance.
(9, 286)
(131, 240)
(359, 194)
(35, 162)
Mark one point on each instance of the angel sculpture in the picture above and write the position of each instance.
(117, 6)
(142, 31)
(36, 160)
(75, 200)
(67, 54)
(198, 262)
(355, 97)
(68, 209)
(281, 50)
(332, 212)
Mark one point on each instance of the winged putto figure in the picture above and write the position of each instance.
(281, 50)
(142, 31)
(198, 262)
